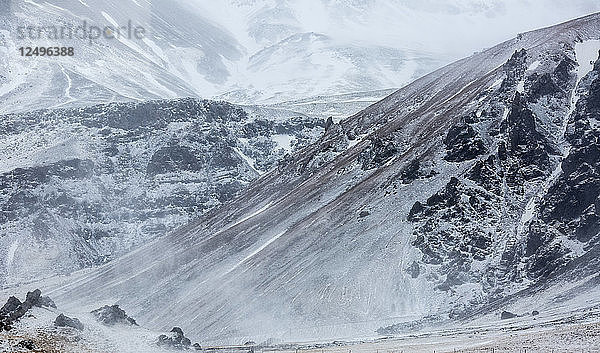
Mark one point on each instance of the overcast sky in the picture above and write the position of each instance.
(456, 27)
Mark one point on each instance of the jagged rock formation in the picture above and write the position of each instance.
(175, 340)
(14, 309)
(83, 186)
(113, 315)
(501, 204)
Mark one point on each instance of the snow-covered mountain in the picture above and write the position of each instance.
(255, 52)
(472, 189)
(79, 187)
(249, 52)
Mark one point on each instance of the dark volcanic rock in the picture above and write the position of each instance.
(175, 340)
(113, 315)
(528, 151)
(507, 315)
(450, 231)
(411, 172)
(328, 123)
(463, 143)
(12, 304)
(514, 69)
(46, 302)
(363, 214)
(34, 297)
(485, 174)
(377, 153)
(65, 321)
(14, 309)
(150, 166)
(27, 344)
(563, 72)
(414, 270)
(542, 86)
(572, 204)
(173, 158)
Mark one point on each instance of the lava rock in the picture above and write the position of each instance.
(507, 315)
(65, 321)
(113, 315)
(411, 172)
(414, 270)
(363, 214)
(176, 340)
(46, 302)
(5, 323)
(463, 143)
(484, 173)
(415, 210)
(328, 123)
(543, 86)
(514, 69)
(14, 309)
(27, 344)
(33, 297)
(173, 158)
(377, 153)
(11, 305)
(36, 299)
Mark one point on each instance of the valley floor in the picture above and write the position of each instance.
(572, 338)
(572, 331)
(562, 338)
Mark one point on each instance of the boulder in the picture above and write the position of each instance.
(46, 302)
(11, 305)
(27, 344)
(113, 315)
(33, 297)
(65, 321)
(507, 315)
(175, 340)
(363, 214)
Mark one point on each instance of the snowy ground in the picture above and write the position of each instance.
(579, 332)
(38, 327)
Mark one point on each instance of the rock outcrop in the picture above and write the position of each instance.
(113, 315)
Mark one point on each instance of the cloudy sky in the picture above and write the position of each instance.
(453, 27)
(456, 27)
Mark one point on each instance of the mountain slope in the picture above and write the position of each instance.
(467, 186)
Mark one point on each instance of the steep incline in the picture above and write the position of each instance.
(426, 204)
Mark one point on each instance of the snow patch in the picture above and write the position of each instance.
(284, 141)
(534, 65)
(251, 162)
(586, 53)
(255, 252)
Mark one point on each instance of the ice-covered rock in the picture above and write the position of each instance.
(113, 315)
(65, 321)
